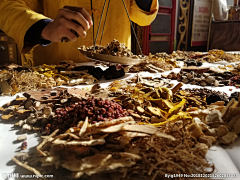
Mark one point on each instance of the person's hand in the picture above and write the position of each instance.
(64, 26)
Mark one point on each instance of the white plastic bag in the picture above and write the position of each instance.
(220, 10)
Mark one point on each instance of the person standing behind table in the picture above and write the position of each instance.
(30, 23)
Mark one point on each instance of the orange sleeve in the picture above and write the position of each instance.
(141, 17)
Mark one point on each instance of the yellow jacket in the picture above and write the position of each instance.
(17, 16)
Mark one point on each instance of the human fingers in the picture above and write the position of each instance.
(84, 14)
(75, 16)
(70, 25)
(67, 35)
(87, 16)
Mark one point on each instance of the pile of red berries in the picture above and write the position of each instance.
(96, 110)
(234, 80)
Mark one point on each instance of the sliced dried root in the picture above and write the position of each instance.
(92, 142)
(140, 110)
(27, 167)
(164, 135)
(156, 112)
(149, 129)
(74, 136)
(80, 124)
(112, 122)
(84, 127)
(116, 128)
(155, 175)
(45, 141)
(132, 134)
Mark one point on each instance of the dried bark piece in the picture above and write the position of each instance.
(177, 87)
(8, 117)
(18, 101)
(10, 109)
(23, 114)
(196, 69)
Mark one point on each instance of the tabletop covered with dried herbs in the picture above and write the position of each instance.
(139, 126)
